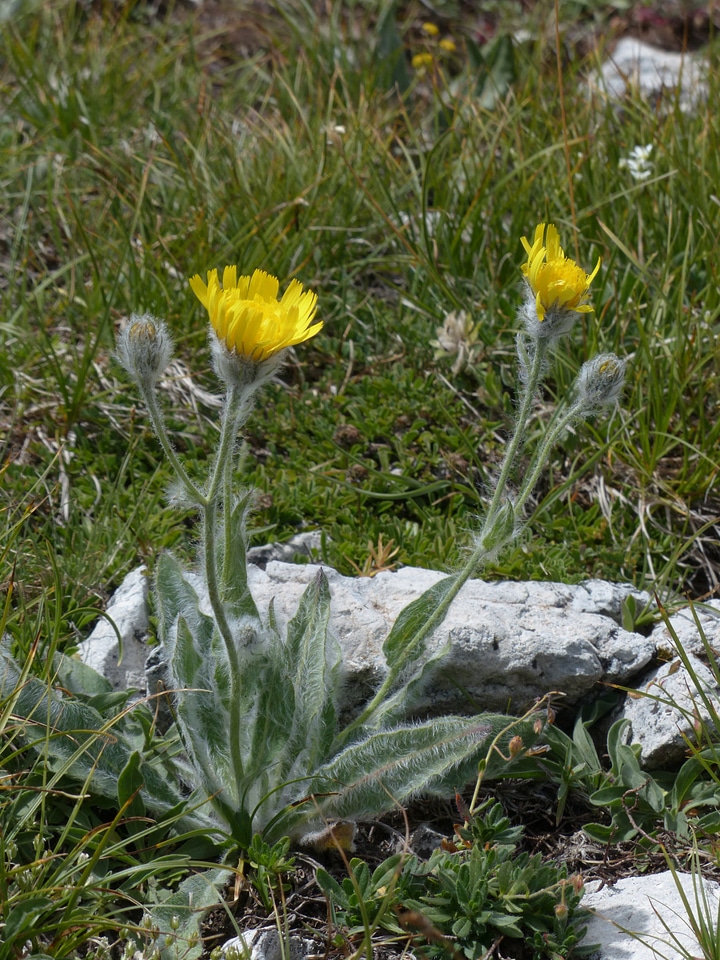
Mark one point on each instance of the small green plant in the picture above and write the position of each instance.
(467, 897)
(268, 864)
(637, 803)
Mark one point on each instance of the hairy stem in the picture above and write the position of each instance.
(527, 397)
(554, 432)
(481, 552)
(235, 410)
(192, 491)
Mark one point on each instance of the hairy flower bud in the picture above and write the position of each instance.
(144, 348)
(600, 382)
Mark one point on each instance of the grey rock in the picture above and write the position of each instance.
(509, 642)
(655, 74)
(266, 944)
(686, 630)
(307, 544)
(425, 840)
(116, 647)
(644, 918)
(662, 720)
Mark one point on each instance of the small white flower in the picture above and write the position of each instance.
(638, 162)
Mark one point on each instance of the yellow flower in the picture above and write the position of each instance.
(247, 316)
(448, 45)
(422, 60)
(557, 282)
(430, 29)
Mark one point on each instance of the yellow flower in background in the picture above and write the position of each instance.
(430, 29)
(557, 282)
(448, 45)
(422, 60)
(248, 317)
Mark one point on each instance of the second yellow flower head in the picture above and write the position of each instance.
(557, 282)
(248, 317)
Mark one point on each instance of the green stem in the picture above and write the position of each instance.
(234, 412)
(479, 553)
(193, 492)
(228, 431)
(518, 438)
(227, 510)
(541, 455)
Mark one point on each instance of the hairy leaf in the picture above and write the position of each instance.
(235, 591)
(437, 756)
(401, 645)
(314, 659)
(80, 743)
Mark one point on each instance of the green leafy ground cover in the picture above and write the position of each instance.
(138, 149)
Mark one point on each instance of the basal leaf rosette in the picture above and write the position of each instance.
(558, 289)
(248, 317)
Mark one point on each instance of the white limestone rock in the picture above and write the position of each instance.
(655, 74)
(128, 611)
(644, 918)
(686, 629)
(510, 642)
(661, 721)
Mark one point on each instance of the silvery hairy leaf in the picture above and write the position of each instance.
(80, 743)
(388, 767)
(399, 648)
(314, 658)
(198, 674)
(287, 736)
(235, 591)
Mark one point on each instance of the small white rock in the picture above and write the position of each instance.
(644, 918)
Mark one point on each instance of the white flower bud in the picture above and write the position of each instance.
(600, 382)
(144, 348)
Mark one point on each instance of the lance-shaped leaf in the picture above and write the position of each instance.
(406, 641)
(79, 742)
(314, 658)
(235, 591)
(197, 667)
(176, 596)
(202, 714)
(369, 777)
(265, 729)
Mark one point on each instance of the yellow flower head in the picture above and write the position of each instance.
(247, 316)
(557, 282)
(422, 60)
(430, 29)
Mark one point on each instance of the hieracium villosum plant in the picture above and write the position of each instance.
(257, 706)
